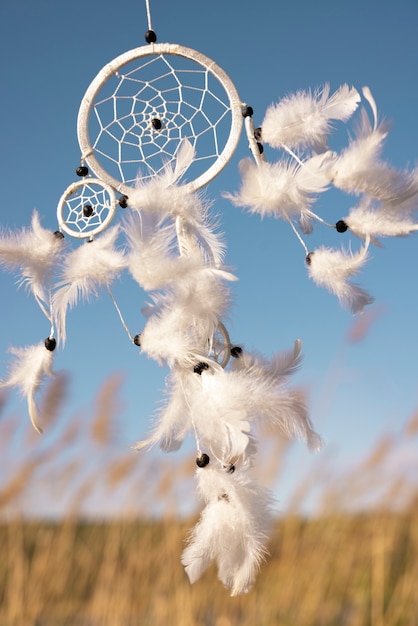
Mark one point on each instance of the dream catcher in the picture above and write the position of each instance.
(155, 126)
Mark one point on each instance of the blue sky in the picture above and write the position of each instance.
(51, 51)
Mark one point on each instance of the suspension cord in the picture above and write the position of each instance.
(148, 15)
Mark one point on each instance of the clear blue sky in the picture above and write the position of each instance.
(50, 51)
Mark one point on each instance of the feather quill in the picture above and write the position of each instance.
(32, 364)
(331, 269)
(232, 530)
(93, 265)
(303, 120)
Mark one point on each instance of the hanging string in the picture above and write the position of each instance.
(148, 15)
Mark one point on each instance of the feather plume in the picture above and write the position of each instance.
(153, 259)
(93, 265)
(184, 317)
(232, 530)
(35, 252)
(371, 218)
(360, 170)
(162, 195)
(331, 269)
(269, 400)
(303, 120)
(173, 419)
(283, 189)
(32, 364)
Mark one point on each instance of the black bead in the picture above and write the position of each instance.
(150, 36)
(50, 344)
(236, 351)
(257, 134)
(198, 369)
(123, 202)
(308, 259)
(137, 340)
(231, 469)
(247, 112)
(82, 170)
(260, 147)
(341, 226)
(156, 123)
(58, 234)
(88, 210)
(202, 460)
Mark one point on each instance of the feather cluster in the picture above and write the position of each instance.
(332, 269)
(232, 530)
(93, 265)
(35, 252)
(299, 126)
(32, 364)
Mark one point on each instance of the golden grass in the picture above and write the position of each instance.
(337, 568)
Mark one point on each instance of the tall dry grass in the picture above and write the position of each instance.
(339, 567)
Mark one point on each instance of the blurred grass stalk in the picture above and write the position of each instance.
(345, 565)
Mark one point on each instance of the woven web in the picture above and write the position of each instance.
(140, 117)
(87, 208)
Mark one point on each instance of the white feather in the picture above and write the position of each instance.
(173, 419)
(270, 401)
(331, 269)
(35, 252)
(376, 219)
(304, 119)
(232, 530)
(32, 364)
(88, 268)
(359, 169)
(284, 189)
(185, 317)
(162, 195)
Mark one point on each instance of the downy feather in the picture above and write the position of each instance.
(371, 218)
(162, 195)
(35, 252)
(88, 268)
(173, 419)
(232, 530)
(360, 170)
(331, 269)
(270, 401)
(185, 316)
(303, 120)
(284, 189)
(32, 364)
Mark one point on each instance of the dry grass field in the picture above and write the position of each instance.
(337, 568)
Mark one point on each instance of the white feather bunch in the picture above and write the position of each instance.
(162, 195)
(153, 258)
(185, 316)
(303, 120)
(331, 269)
(35, 252)
(92, 265)
(284, 189)
(232, 530)
(371, 218)
(270, 401)
(173, 419)
(32, 364)
(218, 404)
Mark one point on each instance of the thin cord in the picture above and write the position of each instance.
(148, 14)
(120, 315)
(298, 236)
